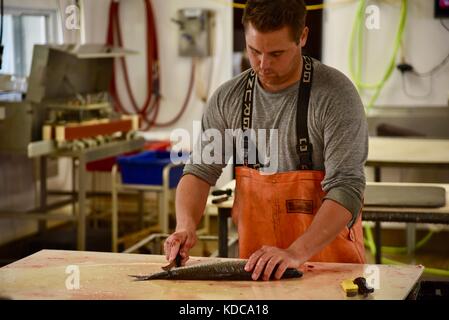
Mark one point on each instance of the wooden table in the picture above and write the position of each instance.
(45, 274)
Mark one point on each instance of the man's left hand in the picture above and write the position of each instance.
(264, 261)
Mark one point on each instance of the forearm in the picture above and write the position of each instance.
(191, 198)
(330, 219)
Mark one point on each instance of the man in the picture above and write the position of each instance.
(309, 210)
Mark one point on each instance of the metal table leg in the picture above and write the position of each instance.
(378, 242)
(377, 174)
(114, 209)
(222, 233)
(81, 241)
(411, 238)
(42, 224)
(378, 228)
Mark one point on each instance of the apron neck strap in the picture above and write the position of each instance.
(247, 113)
(304, 147)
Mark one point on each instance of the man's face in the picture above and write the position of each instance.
(274, 56)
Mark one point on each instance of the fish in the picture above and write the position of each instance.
(221, 270)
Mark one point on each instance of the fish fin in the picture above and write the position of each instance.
(174, 264)
(169, 266)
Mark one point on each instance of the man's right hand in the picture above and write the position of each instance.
(191, 198)
(180, 241)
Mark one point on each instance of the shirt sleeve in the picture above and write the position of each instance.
(210, 155)
(345, 147)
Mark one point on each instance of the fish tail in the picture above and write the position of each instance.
(159, 275)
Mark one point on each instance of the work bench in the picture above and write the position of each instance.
(46, 149)
(383, 152)
(55, 274)
(405, 152)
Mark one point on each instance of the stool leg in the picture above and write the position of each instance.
(411, 239)
(94, 201)
(140, 208)
(163, 211)
(74, 187)
(165, 198)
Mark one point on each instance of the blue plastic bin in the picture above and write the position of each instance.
(147, 167)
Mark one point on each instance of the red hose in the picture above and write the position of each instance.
(151, 122)
(125, 67)
(148, 112)
(186, 100)
(118, 106)
(151, 44)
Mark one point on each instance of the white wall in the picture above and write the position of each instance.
(426, 44)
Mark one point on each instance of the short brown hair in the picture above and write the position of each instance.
(272, 15)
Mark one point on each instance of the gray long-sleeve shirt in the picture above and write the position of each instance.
(336, 123)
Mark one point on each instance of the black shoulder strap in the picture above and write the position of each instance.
(248, 100)
(247, 112)
(304, 146)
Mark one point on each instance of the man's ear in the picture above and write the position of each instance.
(304, 35)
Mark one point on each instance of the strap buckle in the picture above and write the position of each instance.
(257, 166)
(305, 154)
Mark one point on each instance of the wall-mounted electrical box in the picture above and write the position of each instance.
(195, 32)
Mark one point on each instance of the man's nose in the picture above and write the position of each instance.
(265, 62)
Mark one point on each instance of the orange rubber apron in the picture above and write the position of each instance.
(276, 209)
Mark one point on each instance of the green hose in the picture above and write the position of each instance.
(369, 242)
(429, 271)
(357, 30)
(419, 245)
